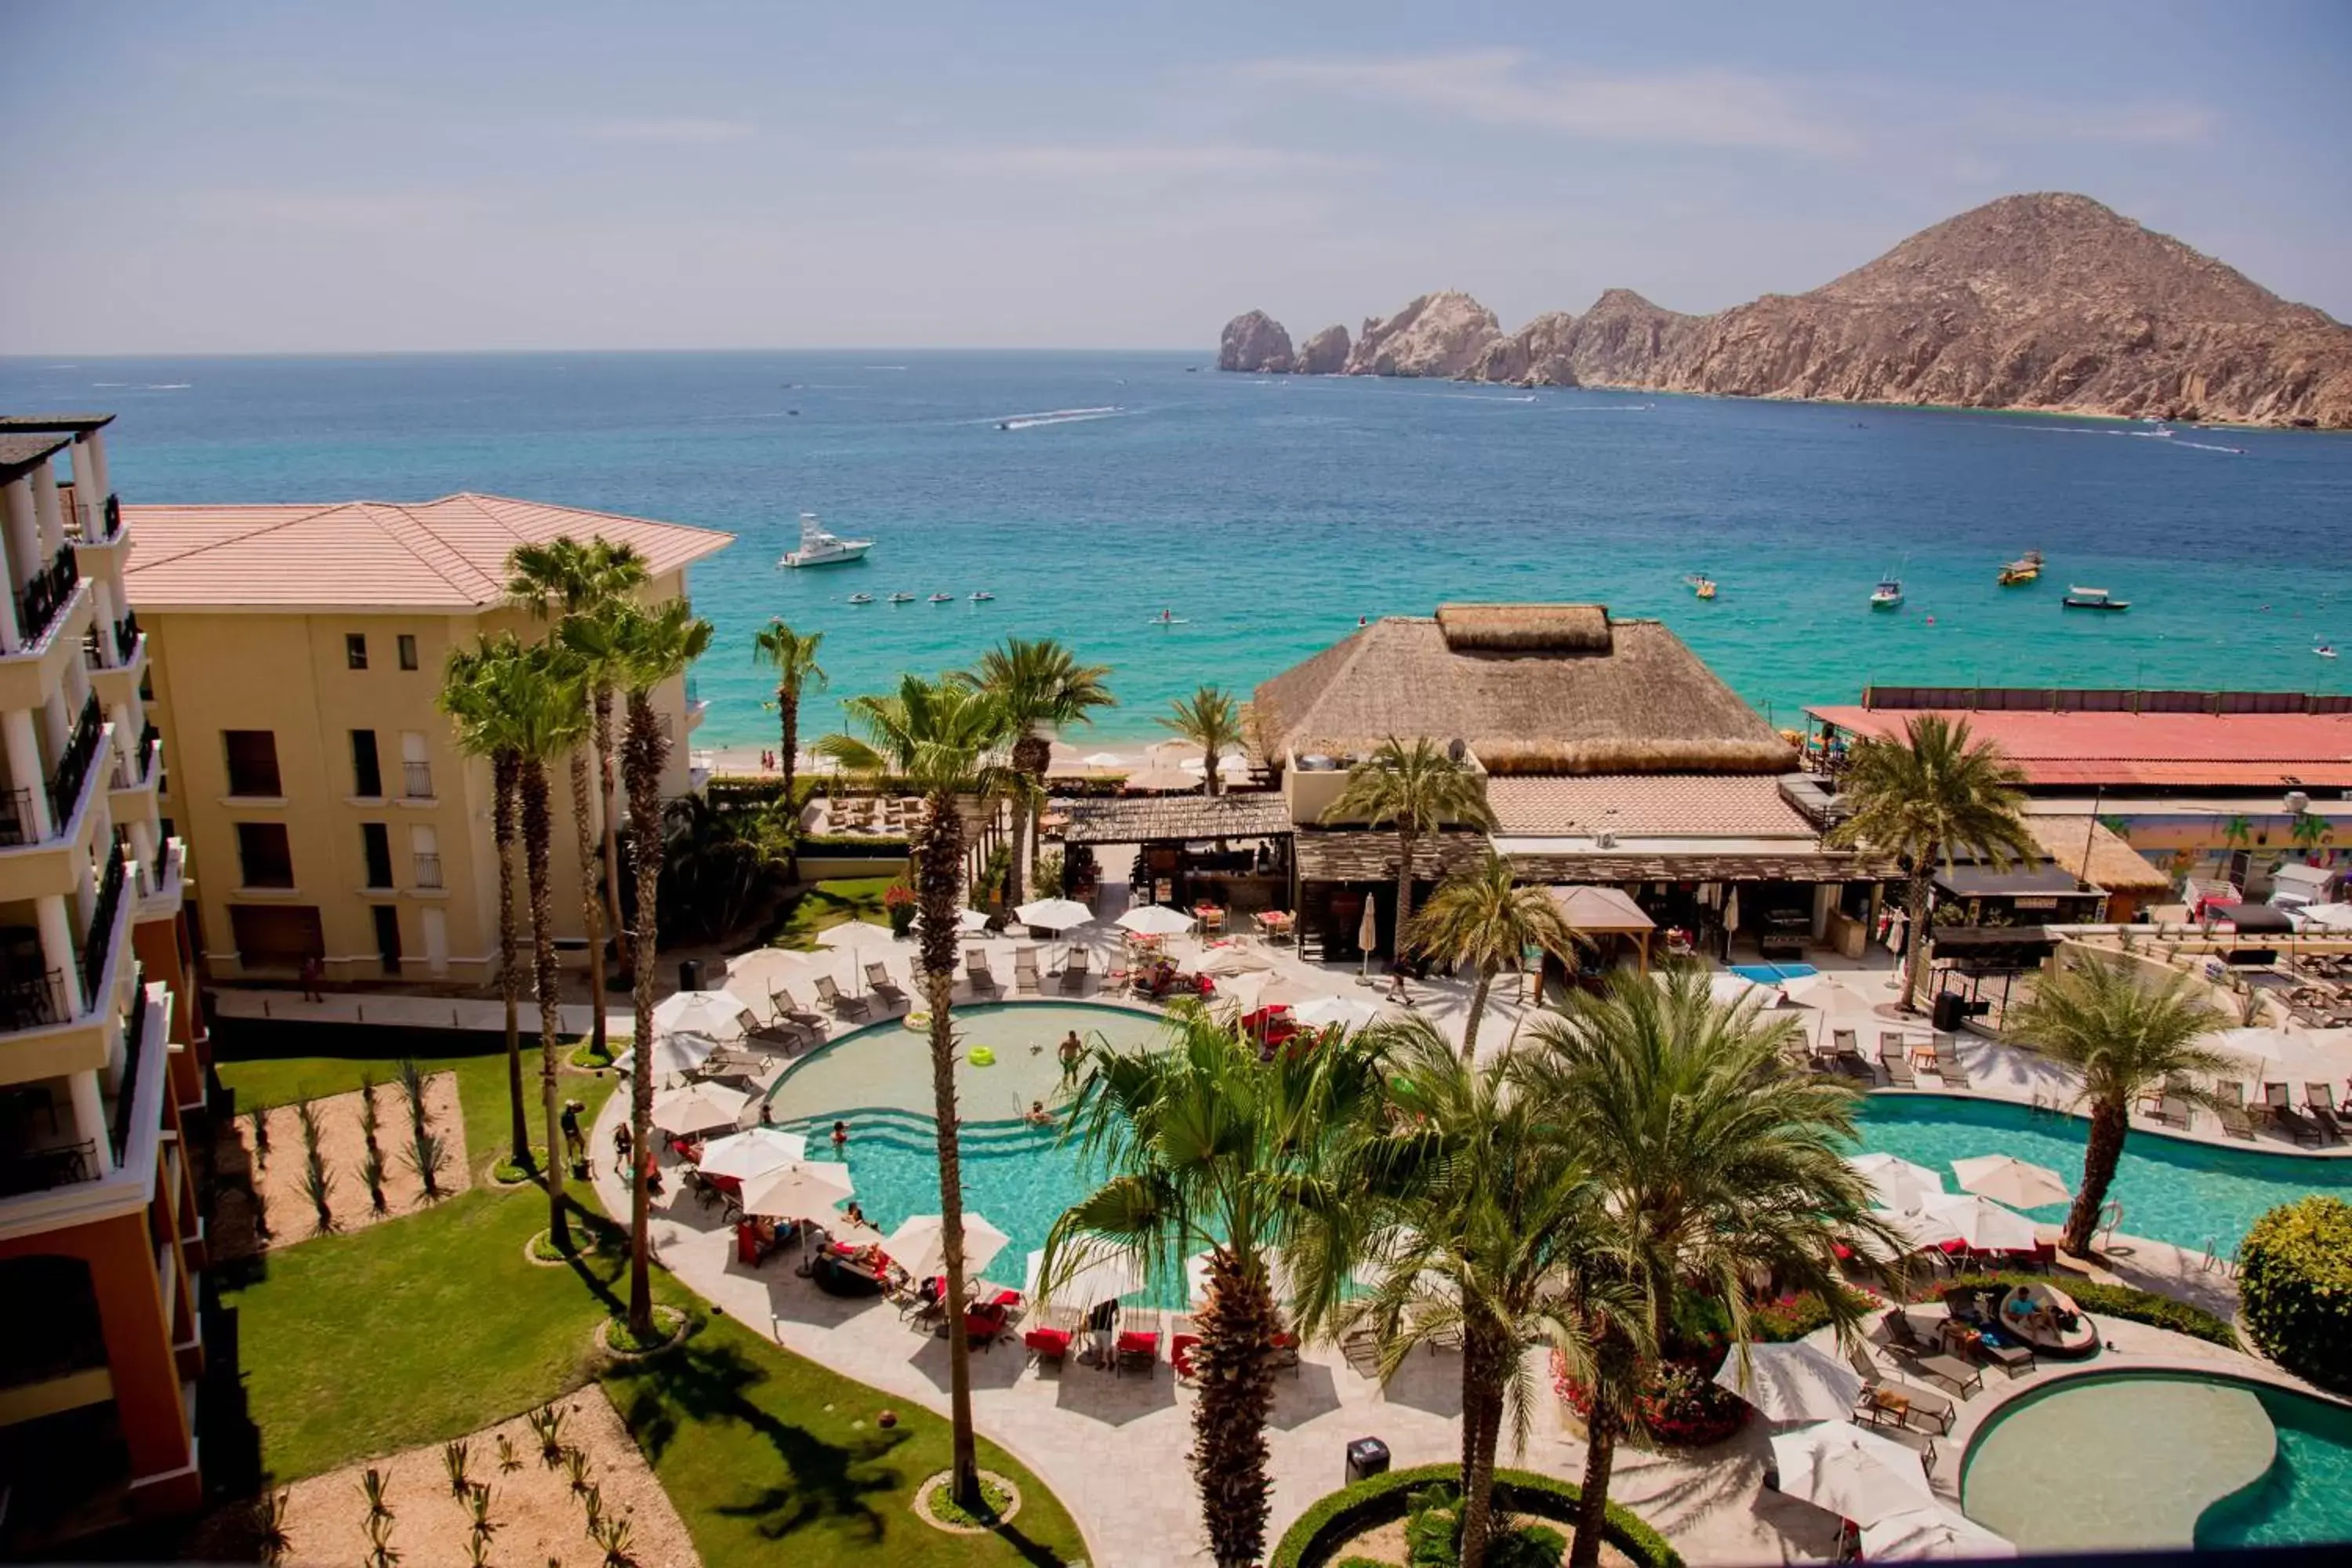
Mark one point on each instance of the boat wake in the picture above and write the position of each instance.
(1058, 416)
(2167, 436)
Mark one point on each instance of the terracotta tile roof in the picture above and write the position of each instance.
(2260, 750)
(1731, 805)
(450, 554)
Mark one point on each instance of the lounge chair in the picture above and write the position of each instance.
(1138, 1347)
(1180, 1346)
(1025, 971)
(2230, 1107)
(2287, 1119)
(1074, 974)
(976, 970)
(829, 994)
(1897, 1065)
(1844, 1040)
(1947, 1064)
(1049, 1343)
(2320, 1101)
(1904, 1339)
(1917, 1409)
(779, 1035)
(785, 1008)
(893, 994)
(985, 1323)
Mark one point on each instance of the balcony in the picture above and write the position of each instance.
(89, 525)
(15, 819)
(35, 1001)
(97, 942)
(32, 865)
(428, 872)
(73, 765)
(50, 1172)
(126, 637)
(50, 591)
(140, 772)
(161, 883)
(417, 781)
(126, 1096)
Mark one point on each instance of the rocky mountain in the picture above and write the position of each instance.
(1325, 354)
(1254, 343)
(2034, 301)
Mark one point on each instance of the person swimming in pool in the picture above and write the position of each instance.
(1037, 1115)
(840, 1133)
(1074, 1051)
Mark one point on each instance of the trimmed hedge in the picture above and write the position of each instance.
(1358, 1507)
(2294, 1287)
(2124, 1302)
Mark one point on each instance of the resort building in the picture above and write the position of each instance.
(298, 650)
(103, 1062)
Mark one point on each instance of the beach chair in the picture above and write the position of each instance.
(1947, 1063)
(2320, 1101)
(785, 1008)
(1025, 971)
(2287, 1119)
(1074, 974)
(2230, 1107)
(780, 1035)
(857, 1007)
(976, 971)
(893, 994)
(1902, 1404)
(985, 1323)
(1897, 1064)
(1903, 1339)
(1048, 1343)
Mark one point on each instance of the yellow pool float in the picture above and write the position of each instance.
(917, 1020)
(981, 1057)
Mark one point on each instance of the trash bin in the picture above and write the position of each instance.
(1367, 1457)
(1951, 1009)
(689, 975)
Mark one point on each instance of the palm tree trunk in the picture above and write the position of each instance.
(788, 722)
(1916, 903)
(592, 900)
(1477, 1009)
(538, 829)
(1483, 1360)
(2110, 1122)
(504, 771)
(1214, 779)
(938, 872)
(1592, 1508)
(1407, 837)
(645, 753)
(1233, 1365)
(609, 798)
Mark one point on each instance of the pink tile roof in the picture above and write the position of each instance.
(2258, 751)
(446, 555)
(1713, 805)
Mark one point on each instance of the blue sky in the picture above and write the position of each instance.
(311, 177)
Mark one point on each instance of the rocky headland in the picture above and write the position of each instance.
(2048, 302)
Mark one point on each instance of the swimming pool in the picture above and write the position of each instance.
(887, 1065)
(1772, 974)
(2190, 1194)
(2120, 1460)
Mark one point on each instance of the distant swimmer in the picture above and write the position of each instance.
(1362, 622)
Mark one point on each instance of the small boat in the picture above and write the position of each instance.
(902, 598)
(1702, 584)
(982, 596)
(2326, 651)
(861, 598)
(2026, 568)
(2080, 598)
(943, 598)
(1888, 594)
(1167, 618)
(819, 548)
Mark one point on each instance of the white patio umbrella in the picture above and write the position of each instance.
(1854, 1473)
(683, 1052)
(1228, 962)
(971, 922)
(1163, 779)
(1731, 990)
(1054, 914)
(698, 1106)
(1348, 1012)
(716, 1014)
(754, 975)
(1797, 987)
(808, 1190)
(2273, 1056)
(920, 1246)
(1923, 1534)
(2006, 1179)
(1897, 1183)
(1156, 920)
(1368, 931)
(1796, 1381)
(1103, 760)
(747, 1155)
(854, 937)
(1092, 1275)
(2326, 916)
(1983, 1225)
(1919, 1229)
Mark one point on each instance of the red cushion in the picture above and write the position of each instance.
(1132, 1339)
(1005, 1298)
(1053, 1342)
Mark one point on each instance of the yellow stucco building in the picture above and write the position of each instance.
(296, 652)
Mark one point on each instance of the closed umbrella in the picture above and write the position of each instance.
(1156, 920)
(718, 1015)
(1348, 1012)
(971, 922)
(920, 1246)
(697, 1107)
(1917, 1228)
(1854, 1473)
(1983, 1225)
(673, 1055)
(1796, 1381)
(1053, 914)
(2006, 1179)
(1090, 1275)
(1228, 962)
(1367, 930)
(1897, 1183)
(1928, 1533)
(746, 1155)
(804, 1191)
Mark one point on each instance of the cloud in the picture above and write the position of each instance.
(2142, 124)
(345, 212)
(685, 132)
(1115, 161)
(1506, 86)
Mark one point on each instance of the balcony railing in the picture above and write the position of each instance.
(126, 1096)
(126, 637)
(428, 870)
(35, 1001)
(100, 936)
(15, 818)
(40, 1170)
(418, 779)
(74, 762)
(50, 591)
(142, 765)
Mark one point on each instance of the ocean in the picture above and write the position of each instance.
(1266, 515)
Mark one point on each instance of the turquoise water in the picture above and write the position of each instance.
(1769, 974)
(2190, 1194)
(2307, 1496)
(1270, 514)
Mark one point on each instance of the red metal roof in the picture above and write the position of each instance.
(2177, 749)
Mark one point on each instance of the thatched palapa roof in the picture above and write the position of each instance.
(1144, 820)
(2115, 865)
(1528, 688)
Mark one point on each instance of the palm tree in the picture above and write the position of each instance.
(946, 738)
(1207, 1147)
(1715, 1164)
(1041, 686)
(467, 697)
(586, 581)
(1482, 916)
(1419, 788)
(1211, 720)
(792, 656)
(1926, 796)
(646, 648)
(2126, 1038)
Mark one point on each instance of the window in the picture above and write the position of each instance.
(263, 856)
(367, 773)
(355, 650)
(387, 936)
(407, 651)
(375, 842)
(252, 762)
(415, 767)
(275, 936)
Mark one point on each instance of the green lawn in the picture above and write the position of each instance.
(424, 1328)
(831, 904)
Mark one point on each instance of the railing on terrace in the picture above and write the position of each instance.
(419, 779)
(40, 1170)
(74, 762)
(100, 522)
(142, 764)
(428, 870)
(49, 590)
(35, 1001)
(100, 936)
(15, 818)
(126, 637)
(126, 1096)
(93, 653)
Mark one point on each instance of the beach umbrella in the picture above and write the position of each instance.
(2008, 1180)
(2273, 1056)
(854, 937)
(1731, 990)
(1854, 1473)
(1156, 920)
(971, 922)
(1797, 1381)
(1921, 1535)
(1983, 1225)
(1348, 1012)
(1368, 931)
(807, 1190)
(2327, 916)
(716, 1014)
(1103, 760)
(673, 1055)
(697, 1107)
(1053, 914)
(920, 1246)
(1092, 1273)
(746, 1155)
(1227, 961)
(1919, 1229)
(756, 977)
(1895, 1183)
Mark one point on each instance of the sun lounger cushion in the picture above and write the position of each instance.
(1048, 1344)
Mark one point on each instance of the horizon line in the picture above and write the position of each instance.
(19, 356)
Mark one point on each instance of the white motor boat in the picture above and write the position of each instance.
(819, 548)
(1888, 594)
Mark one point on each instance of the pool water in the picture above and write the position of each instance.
(2194, 1195)
(2158, 1459)
(887, 1065)
(1772, 974)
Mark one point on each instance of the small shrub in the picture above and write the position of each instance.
(371, 1488)
(260, 1213)
(270, 1540)
(898, 904)
(379, 1534)
(2295, 1289)
(1049, 875)
(547, 1425)
(453, 1461)
(318, 1183)
(1365, 1504)
(509, 1460)
(611, 1533)
(478, 1552)
(372, 1172)
(369, 1117)
(427, 1156)
(575, 1469)
(258, 1121)
(477, 1511)
(994, 1499)
(1792, 1318)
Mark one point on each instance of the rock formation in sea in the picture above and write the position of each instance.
(1325, 354)
(1254, 343)
(2048, 301)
